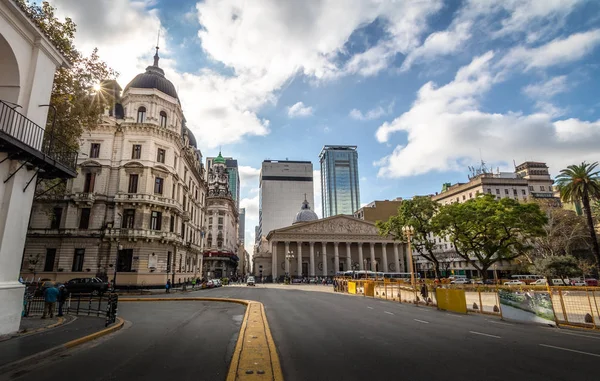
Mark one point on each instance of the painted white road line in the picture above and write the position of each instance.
(421, 321)
(577, 334)
(370, 308)
(498, 322)
(570, 350)
(460, 316)
(485, 334)
(388, 312)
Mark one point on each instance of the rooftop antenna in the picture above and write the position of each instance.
(156, 54)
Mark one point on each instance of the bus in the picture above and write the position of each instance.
(405, 277)
(526, 278)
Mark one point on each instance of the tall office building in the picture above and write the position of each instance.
(340, 191)
(242, 226)
(283, 186)
(233, 175)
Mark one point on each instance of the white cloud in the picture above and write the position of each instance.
(299, 110)
(248, 176)
(445, 130)
(375, 113)
(558, 51)
(547, 89)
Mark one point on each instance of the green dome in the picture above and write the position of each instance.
(219, 159)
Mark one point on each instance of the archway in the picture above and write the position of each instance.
(9, 73)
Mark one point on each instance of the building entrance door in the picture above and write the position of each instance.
(305, 268)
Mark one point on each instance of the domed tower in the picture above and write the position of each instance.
(305, 214)
(218, 179)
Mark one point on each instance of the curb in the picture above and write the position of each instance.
(63, 347)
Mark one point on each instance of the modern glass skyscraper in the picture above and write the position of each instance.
(340, 190)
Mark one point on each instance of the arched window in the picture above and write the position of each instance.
(141, 115)
(163, 119)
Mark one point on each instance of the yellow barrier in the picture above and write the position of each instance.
(369, 288)
(352, 287)
(451, 300)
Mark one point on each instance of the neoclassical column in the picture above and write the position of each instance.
(348, 256)
(299, 258)
(373, 266)
(287, 261)
(336, 253)
(403, 258)
(397, 258)
(312, 259)
(274, 260)
(361, 264)
(384, 255)
(324, 247)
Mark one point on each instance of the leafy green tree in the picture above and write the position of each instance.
(485, 230)
(582, 183)
(560, 266)
(416, 213)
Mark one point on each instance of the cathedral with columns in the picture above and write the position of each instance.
(313, 247)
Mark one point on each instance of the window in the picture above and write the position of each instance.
(542, 188)
(183, 230)
(84, 219)
(173, 191)
(523, 191)
(90, 181)
(141, 115)
(163, 119)
(210, 220)
(125, 259)
(220, 220)
(168, 261)
(531, 188)
(172, 224)
(514, 192)
(160, 155)
(78, 260)
(95, 150)
(128, 219)
(470, 195)
(136, 152)
(158, 185)
(56, 218)
(506, 191)
(464, 197)
(175, 162)
(497, 191)
(133, 184)
(489, 191)
(50, 258)
(155, 220)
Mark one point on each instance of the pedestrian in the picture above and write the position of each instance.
(63, 293)
(50, 296)
(193, 283)
(168, 286)
(424, 292)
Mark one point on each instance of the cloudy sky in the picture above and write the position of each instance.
(424, 88)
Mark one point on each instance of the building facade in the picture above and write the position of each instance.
(242, 227)
(28, 61)
(340, 190)
(221, 258)
(135, 212)
(283, 186)
(234, 176)
(379, 210)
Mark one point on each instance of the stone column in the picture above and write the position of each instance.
(312, 259)
(348, 256)
(336, 266)
(373, 267)
(274, 260)
(397, 258)
(299, 258)
(287, 261)
(384, 255)
(324, 247)
(361, 264)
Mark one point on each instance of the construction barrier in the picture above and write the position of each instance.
(352, 287)
(451, 300)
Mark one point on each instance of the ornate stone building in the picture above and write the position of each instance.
(221, 254)
(136, 209)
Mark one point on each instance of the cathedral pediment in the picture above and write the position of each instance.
(341, 225)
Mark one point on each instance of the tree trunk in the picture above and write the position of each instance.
(436, 269)
(590, 222)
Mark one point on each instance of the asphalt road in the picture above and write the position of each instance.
(324, 336)
(164, 341)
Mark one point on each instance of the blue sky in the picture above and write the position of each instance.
(424, 88)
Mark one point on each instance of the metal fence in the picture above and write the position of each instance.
(77, 304)
(574, 306)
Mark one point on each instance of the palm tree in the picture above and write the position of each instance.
(582, 183)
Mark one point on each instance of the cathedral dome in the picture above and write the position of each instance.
(153, 78)
(219, 159)
(305, 214)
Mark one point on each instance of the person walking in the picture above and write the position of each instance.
(168, 286)
(50, 296)
(193, 284)
(63, 293)
(425, 293)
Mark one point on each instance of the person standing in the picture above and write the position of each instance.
(50, 297)
(193, 284)
(168, 286)
(62, 297)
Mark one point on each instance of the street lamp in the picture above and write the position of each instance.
(119, 248)
(408, 232)
(288, 256)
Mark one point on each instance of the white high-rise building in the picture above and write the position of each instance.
(283, 186)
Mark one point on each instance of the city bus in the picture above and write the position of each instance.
(526, 278)
(405, 277)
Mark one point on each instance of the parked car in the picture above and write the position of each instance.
(489, 281)
(461, 281)
(94, 286)
(250, 281)
(217, 282)
(514, 282)
(539, 282)
(210, 284)
(591, 282)
(561, 282)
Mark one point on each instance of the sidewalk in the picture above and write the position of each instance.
(21, 347)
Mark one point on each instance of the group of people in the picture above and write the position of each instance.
(52, 295)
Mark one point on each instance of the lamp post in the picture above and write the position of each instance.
(408, 231)
(119, 248)
(288, 257)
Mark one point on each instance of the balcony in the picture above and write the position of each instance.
(147, 198)
(22, 139)
(65, 232)
(142, 234)
(84, 198)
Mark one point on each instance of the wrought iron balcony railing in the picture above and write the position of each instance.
(25, 140)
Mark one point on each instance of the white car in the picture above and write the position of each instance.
(514, 283)
(250, 281)
(539, 282)
(461, 281)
